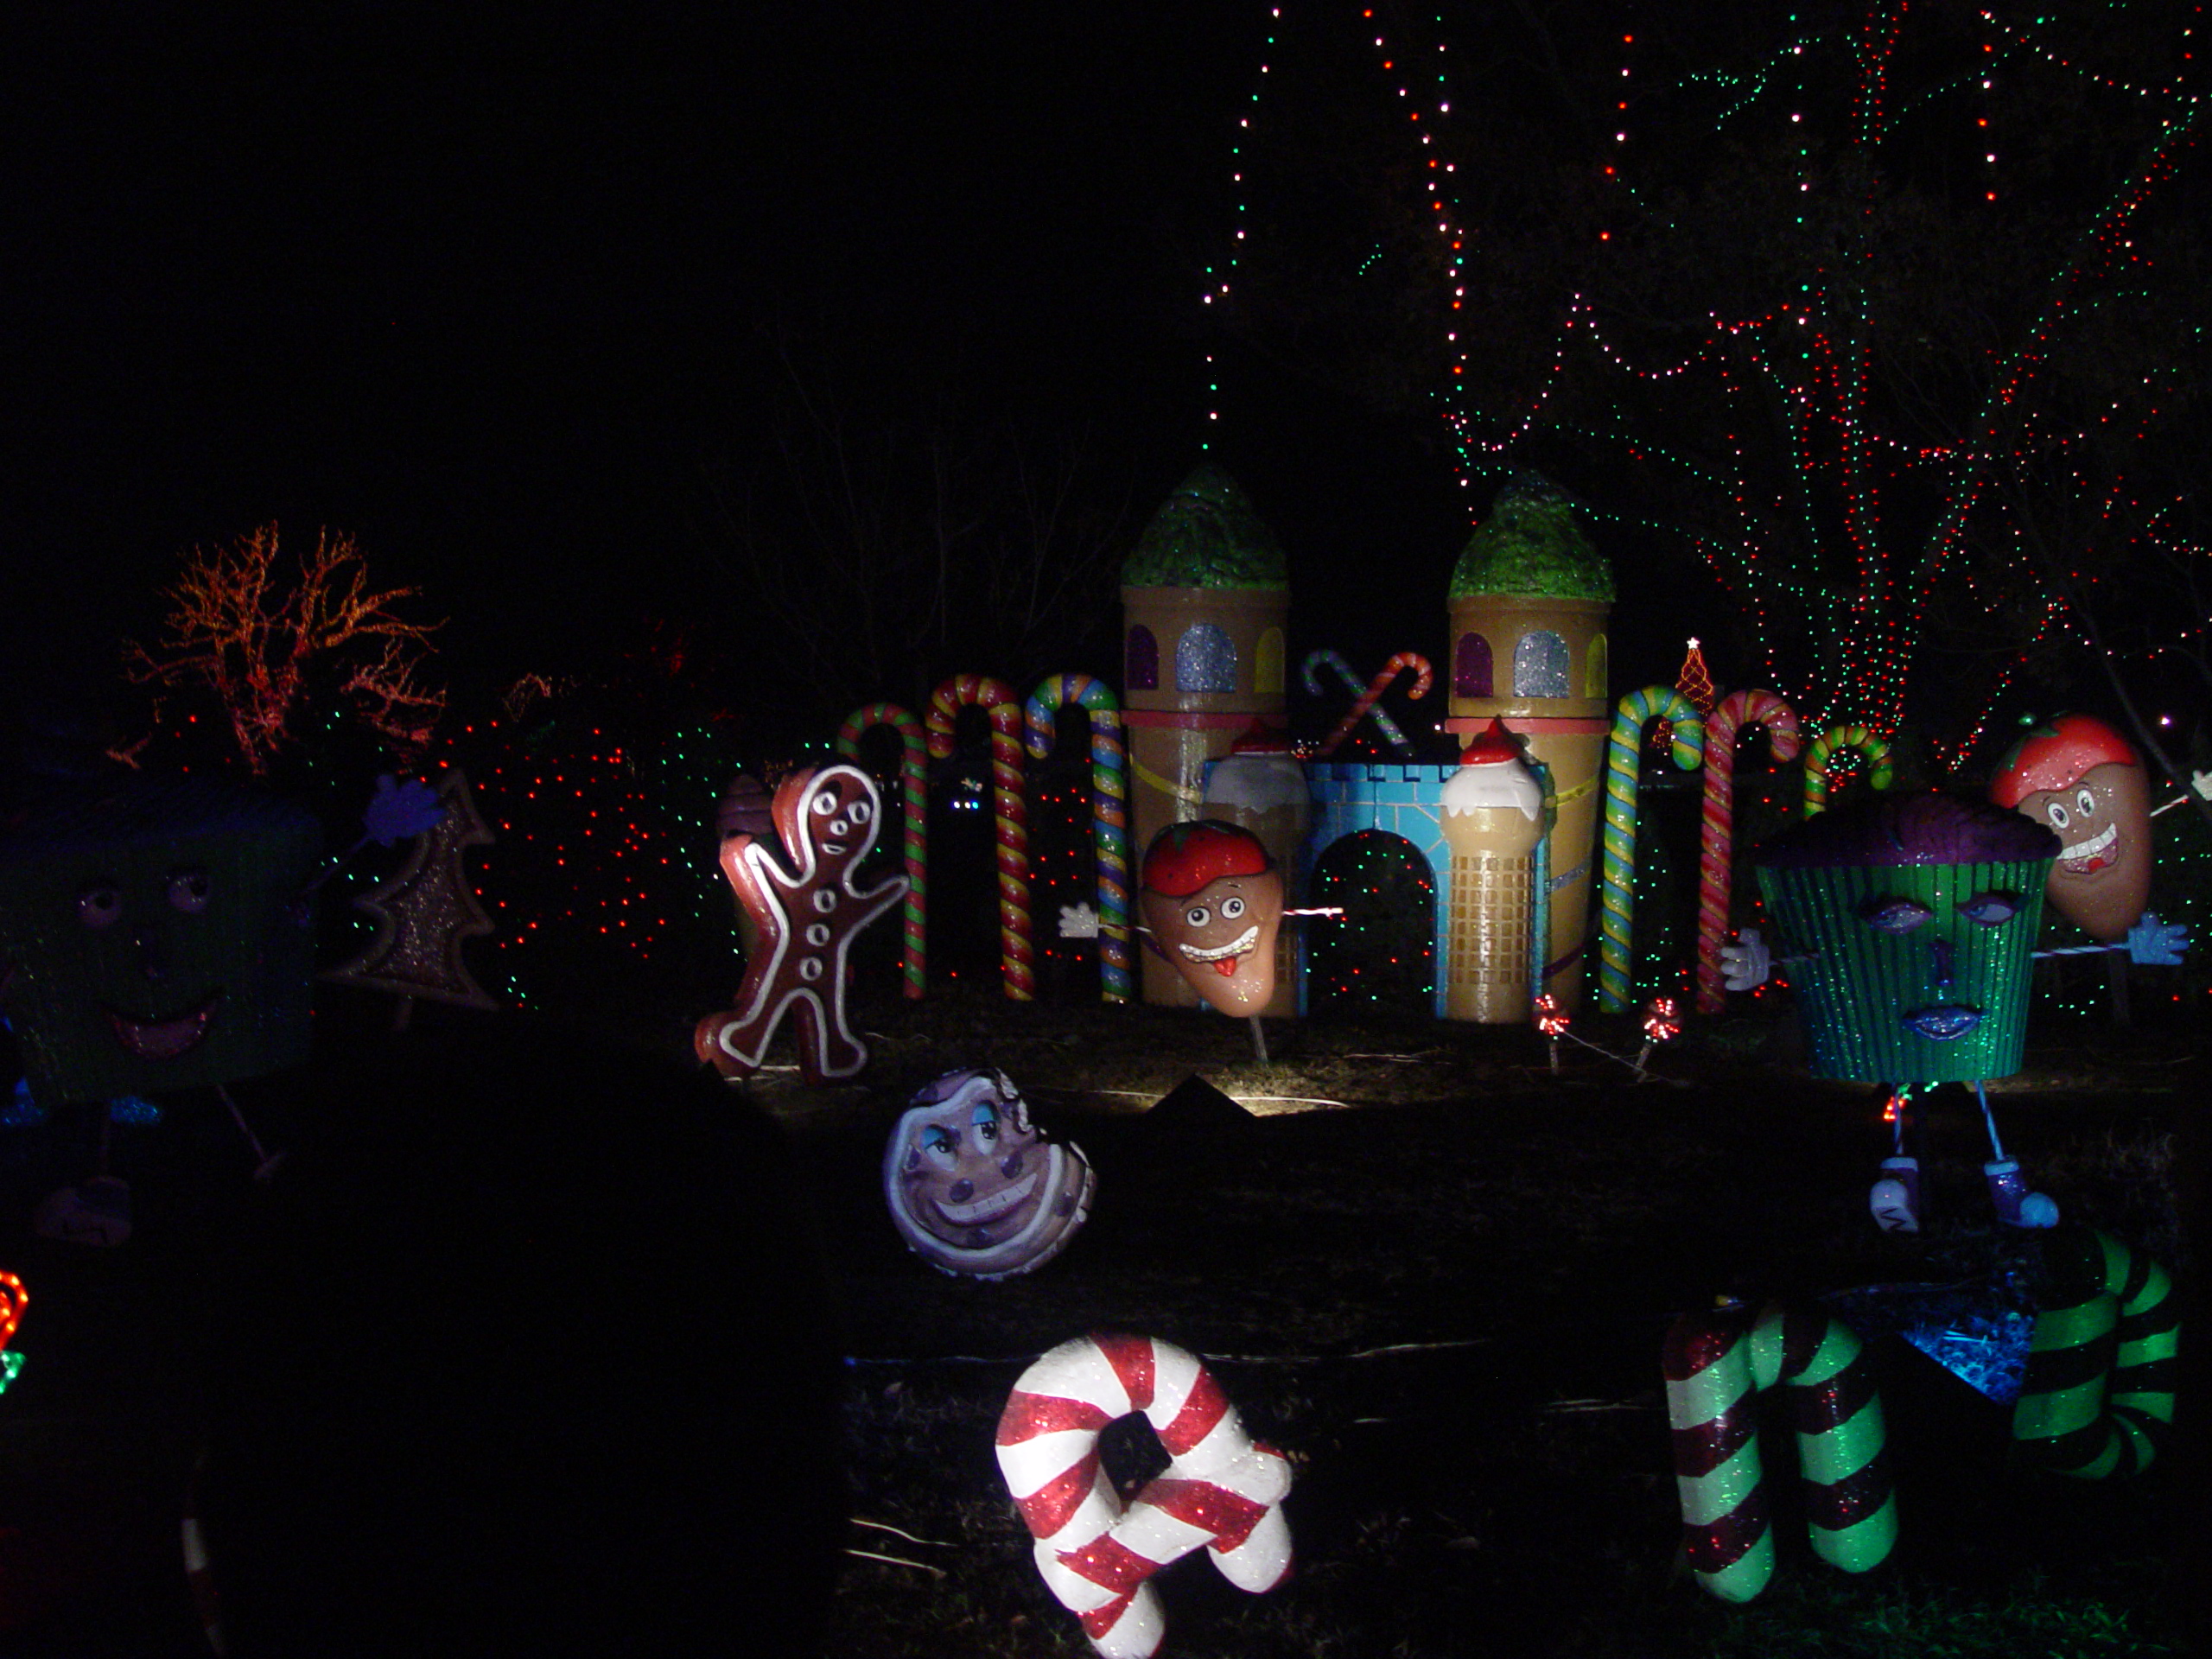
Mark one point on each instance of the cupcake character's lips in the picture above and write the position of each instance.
(164, 1039)
(2091, 854)
(1943, 1023)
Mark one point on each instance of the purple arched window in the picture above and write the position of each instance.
(1141, 661)
(1471, 667)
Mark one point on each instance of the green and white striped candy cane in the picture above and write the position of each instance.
(2099, 1391)
(1617, 872)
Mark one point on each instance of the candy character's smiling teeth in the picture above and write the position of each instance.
(2094, 854)
(164, 1039)
(1223, 957)
(989, 1208)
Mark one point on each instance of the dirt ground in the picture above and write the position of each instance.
(1433, 1270)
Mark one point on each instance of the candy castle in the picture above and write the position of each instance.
(1507, 833)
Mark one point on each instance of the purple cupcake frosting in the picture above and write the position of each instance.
(1909, 830)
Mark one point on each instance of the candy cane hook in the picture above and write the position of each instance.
(1221, 1491)
(1366, 704)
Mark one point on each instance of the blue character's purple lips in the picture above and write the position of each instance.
(1943, 1023)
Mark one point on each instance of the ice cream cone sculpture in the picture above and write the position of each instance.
(1493, 817)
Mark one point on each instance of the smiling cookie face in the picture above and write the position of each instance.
(1213, 902)
(2078, 777)
(973, 1187)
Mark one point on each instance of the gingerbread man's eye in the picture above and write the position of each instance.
(189, 890)
(99, 905)
(860, 811)
(1894, 915)
(824, 804)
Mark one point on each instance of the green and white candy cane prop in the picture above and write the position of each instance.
(1616, 892)
(1716, 1366)
(2099, 1391)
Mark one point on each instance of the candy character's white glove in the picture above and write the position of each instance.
(1079, 922)
(1745, 964)
(2154, 944)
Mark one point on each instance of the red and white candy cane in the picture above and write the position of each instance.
(1715, 866)
(1716, 1366)
(1009, 813)
(1221, 1489)
(1424, 676)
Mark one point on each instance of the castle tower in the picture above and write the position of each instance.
(1493, 817)
(1205, 594)
(1530, 600)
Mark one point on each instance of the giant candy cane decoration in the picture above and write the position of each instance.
(1717, 834)
(913, 776)
(2099, 1391)
(1220, 1489)
(1716, 1367)
(1009, 813)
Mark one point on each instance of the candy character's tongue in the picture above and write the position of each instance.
(1226, 967)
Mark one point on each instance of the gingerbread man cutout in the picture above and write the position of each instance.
(827, 821)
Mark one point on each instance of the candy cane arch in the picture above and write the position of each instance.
(1109, 818)
(1716, 837)
(1716, 1366)
(1366, 701)
(913, 769)
(1870, 745)
(2099, 1390)
(1220, 1489)
(1615, 895)
(1009, 815)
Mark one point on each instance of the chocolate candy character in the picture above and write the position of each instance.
(2079, 777)
(973, 1187)
(1213, 901)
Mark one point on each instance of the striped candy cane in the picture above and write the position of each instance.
(2099, 1391)
(1367, 699)
(1220, 1489)
(1716, 837)
(913, 771)
(1009, 814)
(1870, 745)
(1615, 894)
(1716, 1366)
(1109, 818)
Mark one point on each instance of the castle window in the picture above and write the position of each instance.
(1540, 665)
(1471, 667)
(1141, 660)
(1594, 671)
(1206, 659)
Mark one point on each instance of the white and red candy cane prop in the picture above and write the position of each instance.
(1009, 814)
(1221, 1489)
(1716, 1366)
(1716, 840)
(1364, 701)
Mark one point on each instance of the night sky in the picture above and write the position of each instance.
(483, 285)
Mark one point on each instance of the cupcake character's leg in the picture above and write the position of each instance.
(2008, 1189)
(1895, 1199)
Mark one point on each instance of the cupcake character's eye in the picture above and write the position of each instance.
(1990, 909)
(1891, 915)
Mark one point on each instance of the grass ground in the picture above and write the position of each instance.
(1435, 1273)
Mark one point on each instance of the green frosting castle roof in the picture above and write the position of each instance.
(1532, 544)
(1206, 535)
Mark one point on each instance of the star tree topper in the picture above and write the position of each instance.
(426, 911)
